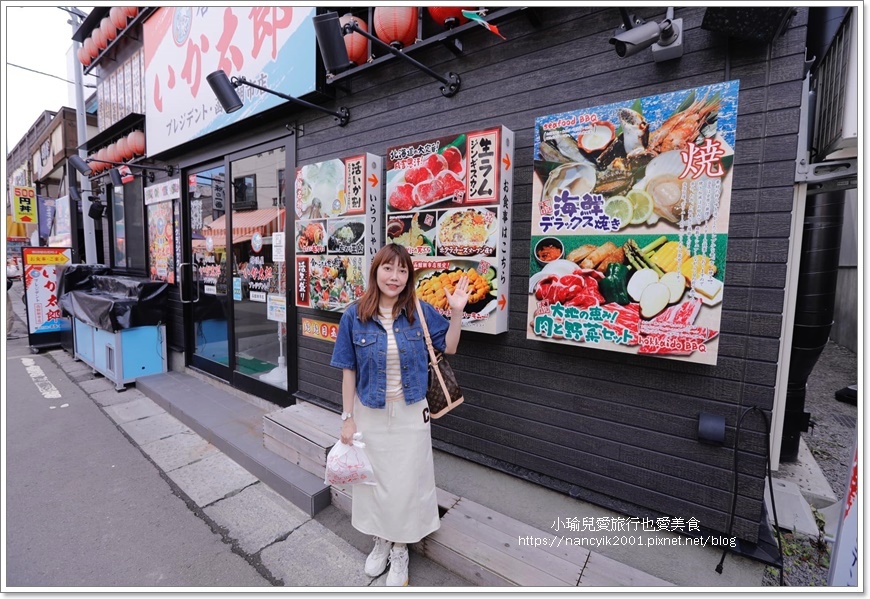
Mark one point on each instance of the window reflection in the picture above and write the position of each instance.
(259, 275)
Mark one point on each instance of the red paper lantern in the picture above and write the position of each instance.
(99, 38)
(84, 57)
(136, 139)
(118, 16)
(91, 47)
(124, 150)
(357, 45)
(108, 28)
(396, 25)
(131, 11)
(112, 153)
(449, 16)
(97, 165)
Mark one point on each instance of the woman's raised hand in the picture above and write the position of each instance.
(459, 297)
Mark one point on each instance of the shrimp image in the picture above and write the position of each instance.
(683, 127)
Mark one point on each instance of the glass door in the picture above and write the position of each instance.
(259, 274)
(206, 277)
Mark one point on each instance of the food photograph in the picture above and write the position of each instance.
(431, 178)
(630, 214)
(433, 278)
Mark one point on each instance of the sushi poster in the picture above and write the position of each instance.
(449, 202)
(338, 229)
(630, 211)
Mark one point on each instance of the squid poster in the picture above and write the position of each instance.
(161, 244)
(630, 211)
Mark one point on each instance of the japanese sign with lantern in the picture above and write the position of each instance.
(272, 46)
(449, 202)
(40, 289)
(338, 229)
(630, 211)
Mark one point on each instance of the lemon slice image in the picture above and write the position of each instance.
(642, 204)
(619, 207)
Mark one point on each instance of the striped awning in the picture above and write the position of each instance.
(265, 222)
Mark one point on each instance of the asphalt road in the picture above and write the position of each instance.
(84, 506)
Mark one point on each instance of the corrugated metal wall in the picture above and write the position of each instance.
(618, 430)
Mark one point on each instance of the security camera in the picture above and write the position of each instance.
(631, 41)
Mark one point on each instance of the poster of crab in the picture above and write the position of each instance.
(338, 229)
(630, 211)
(449, 203)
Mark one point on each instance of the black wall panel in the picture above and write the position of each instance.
(616, 429)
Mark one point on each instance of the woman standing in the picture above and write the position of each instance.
(382, 352)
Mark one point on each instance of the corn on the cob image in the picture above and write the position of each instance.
(666, 256)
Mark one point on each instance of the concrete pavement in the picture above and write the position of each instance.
(276, 542)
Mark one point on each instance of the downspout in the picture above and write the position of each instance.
(810, 292)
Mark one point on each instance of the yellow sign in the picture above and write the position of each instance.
(38, 259)
(24, 205)
(327, 331)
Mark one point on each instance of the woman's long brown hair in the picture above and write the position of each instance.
(367, 305)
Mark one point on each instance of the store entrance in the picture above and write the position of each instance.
(206, 279)
(235, 279)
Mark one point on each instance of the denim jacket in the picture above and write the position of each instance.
(362, 347)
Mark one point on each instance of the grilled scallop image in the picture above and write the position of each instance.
(676, 198)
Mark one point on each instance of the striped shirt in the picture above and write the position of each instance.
(394, 365)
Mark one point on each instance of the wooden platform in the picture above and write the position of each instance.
(474, 541)
(302, 434)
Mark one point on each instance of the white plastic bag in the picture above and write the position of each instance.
(349, 464)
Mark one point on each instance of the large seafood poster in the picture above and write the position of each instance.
(338, 229)
(449, 202)
(630, 215)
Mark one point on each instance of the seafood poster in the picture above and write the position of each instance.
(449, 203)
(161, 244)
(630, 211)
(338, 229)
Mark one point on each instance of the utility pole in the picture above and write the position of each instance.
(77, 19)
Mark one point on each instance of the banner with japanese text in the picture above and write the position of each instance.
(24, 205)
(272, 46)
(449, 202)
(630, 210)
(40, 288)
(338, 229)
(161, 241)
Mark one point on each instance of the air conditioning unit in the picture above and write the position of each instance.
(835, 130)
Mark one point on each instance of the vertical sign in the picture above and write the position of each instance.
(338, 229)
(449, 202)
(24, 205)
(630, 210)
(40, 285)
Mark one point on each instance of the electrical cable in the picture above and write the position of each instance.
(770, 487)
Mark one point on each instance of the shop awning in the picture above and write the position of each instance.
(265, 222)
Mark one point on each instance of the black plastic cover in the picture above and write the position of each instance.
(114, 303)
(77, 276)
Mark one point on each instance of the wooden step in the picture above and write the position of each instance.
(492, 549)
(302, 434)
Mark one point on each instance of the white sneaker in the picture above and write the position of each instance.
(398, 575)
(376, 562)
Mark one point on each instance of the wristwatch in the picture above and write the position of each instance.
(346, 415)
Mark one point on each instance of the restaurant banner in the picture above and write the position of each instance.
(272, 46)
(449, 202)
(44, 315)
(630, 211)
(338, 229)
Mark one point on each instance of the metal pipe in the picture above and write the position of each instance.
(82, 134)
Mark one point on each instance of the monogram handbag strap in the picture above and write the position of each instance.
(432, 357)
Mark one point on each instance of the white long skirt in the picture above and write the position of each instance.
(402, 507)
